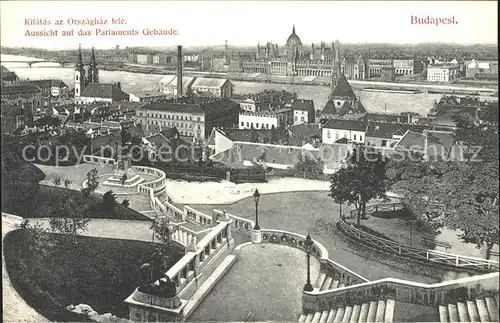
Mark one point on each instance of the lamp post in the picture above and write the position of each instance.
(308, 246)
(256, 196)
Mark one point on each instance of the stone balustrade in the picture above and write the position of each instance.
(186, 237)
(154, 300)
(174, 212)
(198, 217)
(89, 159)
(237, 222)
(158, 184)
(186, 272)
(405, 291)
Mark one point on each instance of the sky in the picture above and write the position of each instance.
(249, 22)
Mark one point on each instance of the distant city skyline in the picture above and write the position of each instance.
(248, 23)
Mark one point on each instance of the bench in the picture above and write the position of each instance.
(432, 242)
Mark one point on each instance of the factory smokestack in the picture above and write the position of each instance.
(179, 71)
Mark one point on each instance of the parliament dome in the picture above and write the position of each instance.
(293, 40)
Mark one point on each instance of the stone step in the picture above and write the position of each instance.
(462, 312)
(443, 313)
(326, 283)
(320, 280)
(309, 318)
(482, 309)
(372, 311)
(355, 314)
(334, 284)
(316, 317)
(379, 316)
(324, 316)
(453, 313)
(473, 313)
(302, 318)
(390, 304)
(492, 309)
(363, 313)
(340, 315)
(347, 314)
(331, 315)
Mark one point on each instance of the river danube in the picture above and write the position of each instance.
(132, 82)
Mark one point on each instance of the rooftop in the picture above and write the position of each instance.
(353, 125)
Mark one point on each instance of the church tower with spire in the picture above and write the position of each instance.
(80, 80)
(93, 72)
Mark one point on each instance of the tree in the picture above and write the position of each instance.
(70, 217)
(309, 167)
(466, 191)
(163, 229)
(360, 180)
(92, 181)
(126, 202)
(108, 201)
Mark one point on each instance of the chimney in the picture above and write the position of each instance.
(179, 71)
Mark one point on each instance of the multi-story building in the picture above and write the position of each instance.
(442, 72)
(403, 66)
(335, 129)
(266, 100)
(148, 96)
(190, 119)
(266, 120)
(102, 92)
(354, 68)
(376, 65)
(52, 88)
(303, 111)
(28, 94)
(481, 67)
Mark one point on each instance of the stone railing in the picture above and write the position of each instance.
(198, 217)
(158, 184)
(196, 265)
(186, 237)
(327, 265)
(432, 256)
(238, 223)
(443, 293)
(89, 159)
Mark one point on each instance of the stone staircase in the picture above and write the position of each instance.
(326, 282)
(381, 311)
(479, 310)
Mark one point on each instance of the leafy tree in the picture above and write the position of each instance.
(92, 181)
(163, 229)
(360, 180)
(70, 217)
(108, 201)
(309, 167)
(126, 203)
(466, 191)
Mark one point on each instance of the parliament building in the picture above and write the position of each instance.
(296, 60)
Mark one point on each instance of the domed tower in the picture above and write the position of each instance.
(293, 44)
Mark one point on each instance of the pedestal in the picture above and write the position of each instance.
(256, 236)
